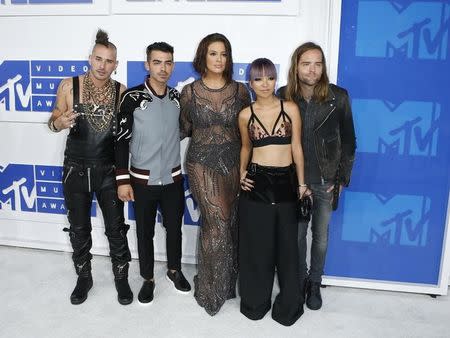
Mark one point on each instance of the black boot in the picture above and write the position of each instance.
(313, 296)
(84, 283)
(124, 293)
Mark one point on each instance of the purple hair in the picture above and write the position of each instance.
(262, 67)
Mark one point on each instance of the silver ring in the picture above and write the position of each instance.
(71, 125)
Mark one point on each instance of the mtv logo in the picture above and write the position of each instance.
(408, 128)
(36, 188)
(17, 187)
(15, 88)
(35, 82)
(414, 30)
(399, 220)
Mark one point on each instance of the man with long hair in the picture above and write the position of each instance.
(328, 139)
(87, 104)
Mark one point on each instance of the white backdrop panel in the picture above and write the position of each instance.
(25, 139)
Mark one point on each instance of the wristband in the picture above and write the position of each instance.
(51, 126)
(302, 185)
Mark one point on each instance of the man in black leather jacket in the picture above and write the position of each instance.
(87, 106)
(328, 139)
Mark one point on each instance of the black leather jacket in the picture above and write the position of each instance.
(334, 134)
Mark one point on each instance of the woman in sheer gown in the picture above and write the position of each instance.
(209, 109)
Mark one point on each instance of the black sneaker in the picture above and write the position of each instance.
(178, 280)
(313, 296)
(146, 294)
(80, 293)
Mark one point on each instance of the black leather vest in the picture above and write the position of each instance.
(83, 142)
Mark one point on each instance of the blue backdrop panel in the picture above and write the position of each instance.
(394, 61)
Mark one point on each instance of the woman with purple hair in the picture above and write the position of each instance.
(272, 180)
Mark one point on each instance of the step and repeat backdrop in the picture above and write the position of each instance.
(390, 231)
(392, 58)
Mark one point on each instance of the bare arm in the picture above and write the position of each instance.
(296, 145)
(63, 115)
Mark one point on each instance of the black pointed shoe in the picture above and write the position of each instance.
(124, 293)
(145, 296)
(80, 293)
(313, 296)
(179, 281)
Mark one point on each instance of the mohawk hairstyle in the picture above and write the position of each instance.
(102, 38)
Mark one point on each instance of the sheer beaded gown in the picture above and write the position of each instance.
(210, 117)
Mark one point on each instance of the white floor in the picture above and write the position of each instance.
(35, 286)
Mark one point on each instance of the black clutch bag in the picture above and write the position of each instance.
(304, 209)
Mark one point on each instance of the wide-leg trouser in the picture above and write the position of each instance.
(170, 198)
(268, 241)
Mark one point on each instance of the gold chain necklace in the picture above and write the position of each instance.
(99, 103)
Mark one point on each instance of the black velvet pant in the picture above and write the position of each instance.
(267, 241)
(81, 179)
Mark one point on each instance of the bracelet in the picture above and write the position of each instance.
(302, 185)
(51, 126)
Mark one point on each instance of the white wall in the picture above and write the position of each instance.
(71, 38)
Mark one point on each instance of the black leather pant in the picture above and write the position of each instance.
(81, 179)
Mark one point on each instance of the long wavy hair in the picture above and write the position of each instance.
(293, 86)
(202, 49)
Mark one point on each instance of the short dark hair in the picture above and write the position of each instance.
(160, 46)
(101, 38)
(202, 49)
(262, 67)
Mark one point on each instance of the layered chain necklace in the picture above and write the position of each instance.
(99, 103)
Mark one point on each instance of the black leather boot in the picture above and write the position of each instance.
(124, 293)
(84, 283)
(313, 296)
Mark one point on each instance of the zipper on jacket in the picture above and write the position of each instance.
(68, 174)
(89, 179)
(326, 118)
(315, 145)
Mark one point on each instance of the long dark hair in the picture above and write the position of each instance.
(202, 49)
(293, 86)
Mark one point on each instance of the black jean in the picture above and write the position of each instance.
(267, 240)
(170, 198)
(81, 179)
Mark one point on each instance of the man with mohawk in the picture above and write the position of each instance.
(87, 104)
